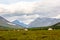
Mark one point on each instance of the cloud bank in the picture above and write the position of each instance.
(27, 11)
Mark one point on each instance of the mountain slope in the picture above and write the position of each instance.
(5, 23)
(39, 22)
(56, 26)
(19, 23)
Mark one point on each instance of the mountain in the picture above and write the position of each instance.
(5, 23)
(19, 23)
(41, 22)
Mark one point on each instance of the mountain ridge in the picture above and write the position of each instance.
(41, 22)
(19, 23)
(5, 23)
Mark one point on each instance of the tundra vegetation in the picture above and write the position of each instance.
(39, 33)
(30, 34)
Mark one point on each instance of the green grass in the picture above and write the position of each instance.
(30, 35)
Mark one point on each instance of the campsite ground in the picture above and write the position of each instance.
(30, 35)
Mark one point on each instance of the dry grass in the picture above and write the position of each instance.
(30, 35)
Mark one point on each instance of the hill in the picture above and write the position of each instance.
(56, 26)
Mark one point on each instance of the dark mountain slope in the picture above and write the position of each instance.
(56, 26)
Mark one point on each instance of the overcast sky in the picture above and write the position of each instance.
(28, 10)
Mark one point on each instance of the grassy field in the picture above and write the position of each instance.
(30, 35)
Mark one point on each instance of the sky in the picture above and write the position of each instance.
(28, 10)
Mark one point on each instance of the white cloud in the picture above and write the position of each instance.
(25, 7)
(12, 18)
(45, 8)
(25, 18)
(28, 21)
(2, 8)
(58, 17)
(30, 7)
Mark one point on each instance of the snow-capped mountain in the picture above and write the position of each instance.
(5, 23)
(40, 22)
(19, 23)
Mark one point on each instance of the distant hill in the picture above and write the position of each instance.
(56, 26)
(19, 23)
(41, 22)
(6, 24)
